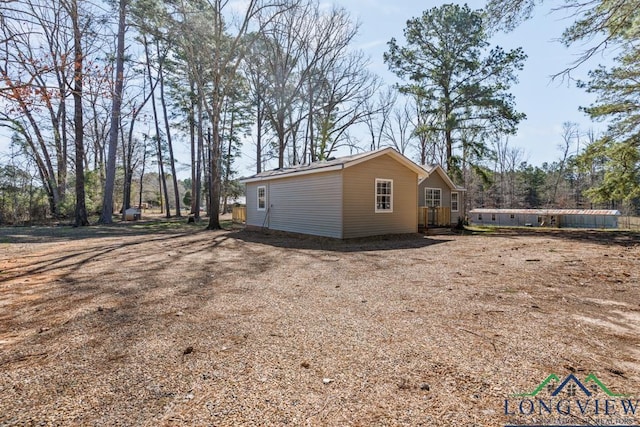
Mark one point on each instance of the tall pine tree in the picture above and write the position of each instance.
(447, 65)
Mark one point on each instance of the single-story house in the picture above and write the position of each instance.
(366, 194)
(567, 218)
(441, 201)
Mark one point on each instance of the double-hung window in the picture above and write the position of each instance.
(384, 195)
(454, 202)
(433, 197)
(262, 198)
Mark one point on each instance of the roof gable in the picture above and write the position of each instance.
(430, 169)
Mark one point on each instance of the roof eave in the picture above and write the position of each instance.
(290, 174)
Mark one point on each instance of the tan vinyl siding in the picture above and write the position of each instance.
(309, 204)
(254, 216)
(359, 182)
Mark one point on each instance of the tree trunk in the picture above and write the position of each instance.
(163, 181)
(227, 169)
(60, 138)
(98, 149)
(81, 210)
(128, 173)
(214, 179)
(197, 198)
(107, 197)
(172, 162)
(160, 181)
(63, 167)
(281, 140)
(259, 118)
(448, 127)
(312, 148)
(144, 161)
(192, 141)
(206, 158)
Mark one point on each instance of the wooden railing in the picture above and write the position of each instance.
(239, 214)
(440, 216)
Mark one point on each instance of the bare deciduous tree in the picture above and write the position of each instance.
(376, 123)
(398, 129)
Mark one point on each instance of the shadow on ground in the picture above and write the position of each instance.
(47, 234)
(299, 241)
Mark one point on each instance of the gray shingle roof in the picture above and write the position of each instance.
(333, 164)
(321, 164)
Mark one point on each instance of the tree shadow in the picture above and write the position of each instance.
(48, 234)
(58, 292)
(74, 260)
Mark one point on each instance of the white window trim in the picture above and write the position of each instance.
(426, 198)
(375, 196)
(457, 201)
(263, 187)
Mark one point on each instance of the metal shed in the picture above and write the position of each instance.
(555, 218)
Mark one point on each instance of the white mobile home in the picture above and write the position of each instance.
(566, 218)
(365, 194)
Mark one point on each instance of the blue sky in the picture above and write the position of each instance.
(547, 104)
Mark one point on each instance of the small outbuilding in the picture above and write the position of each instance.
(366, 194)
(566, 218)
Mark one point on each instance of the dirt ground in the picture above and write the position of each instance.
(164, 324)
